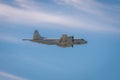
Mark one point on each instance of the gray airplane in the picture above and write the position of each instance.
(64, 41)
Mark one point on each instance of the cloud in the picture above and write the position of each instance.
(28, 4)
(95, 8)
(13, 14)
(7, 76)
(26, 14)
(90, 6)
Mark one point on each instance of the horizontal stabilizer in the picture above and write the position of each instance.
(27, 39)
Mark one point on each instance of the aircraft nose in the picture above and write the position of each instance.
(85, 42)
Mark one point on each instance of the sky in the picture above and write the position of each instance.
(96, 21)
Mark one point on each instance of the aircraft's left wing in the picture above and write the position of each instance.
(64, 38)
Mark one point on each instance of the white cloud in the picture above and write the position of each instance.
(7, 76)
(17, 15)
(30, 16)
(90, 6)
(98, 9)
(28, 4)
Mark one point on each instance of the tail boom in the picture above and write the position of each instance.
(27, 39)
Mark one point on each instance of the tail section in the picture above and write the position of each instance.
(27, 39)
(37, 35)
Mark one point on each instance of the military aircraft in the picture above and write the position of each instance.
(64, 41)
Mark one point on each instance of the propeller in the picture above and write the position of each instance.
(72, 46)
(72, 38)
(72, 41)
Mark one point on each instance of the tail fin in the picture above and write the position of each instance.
(37, 35)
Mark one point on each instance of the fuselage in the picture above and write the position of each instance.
(46, 41)
(67, 43)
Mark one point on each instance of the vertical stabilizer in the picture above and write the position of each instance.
(36, 35)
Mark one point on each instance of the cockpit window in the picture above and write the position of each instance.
(82, 39)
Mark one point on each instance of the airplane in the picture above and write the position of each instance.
(64, 41)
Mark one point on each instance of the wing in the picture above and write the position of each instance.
(64, 38)
(65, 41)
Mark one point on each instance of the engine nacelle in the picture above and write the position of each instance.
(71, 38)
(67, 41)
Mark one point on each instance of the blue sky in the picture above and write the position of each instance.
(97, 21)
